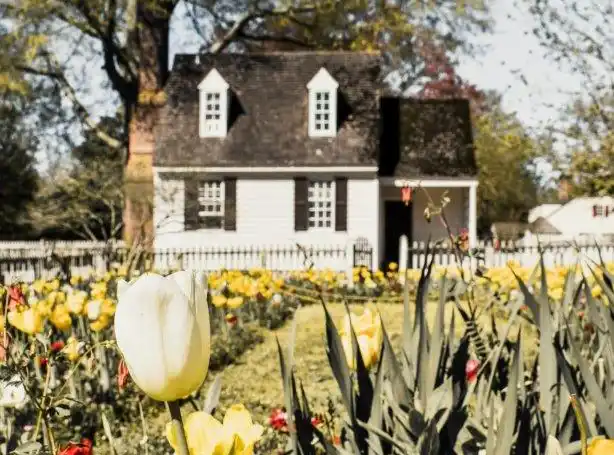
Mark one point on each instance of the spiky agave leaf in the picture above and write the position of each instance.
(505, 431)
(547, 357)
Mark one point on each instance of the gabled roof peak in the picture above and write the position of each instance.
(323, 80)
(213, 81)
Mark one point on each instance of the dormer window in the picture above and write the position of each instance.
(214, 105)
(323, 105)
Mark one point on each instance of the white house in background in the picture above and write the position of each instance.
(542, 211)
(281, 148)
(585, 218)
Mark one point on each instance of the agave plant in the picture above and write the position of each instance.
(420, 401)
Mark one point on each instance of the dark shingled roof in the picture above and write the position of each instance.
(268, 124)
(268, 115)
(426, 138)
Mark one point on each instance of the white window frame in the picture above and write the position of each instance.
(214, 91)
(316, 185)
(322, 84)
(206, 198)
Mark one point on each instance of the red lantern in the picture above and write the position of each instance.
(406, 194)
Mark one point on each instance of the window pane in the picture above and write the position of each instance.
(210, 197)
(320, 204)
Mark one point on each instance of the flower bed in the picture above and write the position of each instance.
(62, 378)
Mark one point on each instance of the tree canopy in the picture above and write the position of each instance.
(84, 199)
(17, 170)
(130, 38)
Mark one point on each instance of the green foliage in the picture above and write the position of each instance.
(505, 155)
(421, 400)
(85, 200)
(17, 168)
(590, 159)
(228, 346)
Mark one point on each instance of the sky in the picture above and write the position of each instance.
(515, 65)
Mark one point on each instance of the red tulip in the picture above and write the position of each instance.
(315, 421)
(278, 419)
(471, 370)
(16, 297)
(85, 447)
(57, 346)
(231, 320)
(122, 374)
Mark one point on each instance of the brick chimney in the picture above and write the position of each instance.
(138, 208)
(564, 189)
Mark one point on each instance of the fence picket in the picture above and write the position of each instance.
(31, 260)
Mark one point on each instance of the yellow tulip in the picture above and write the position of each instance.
(601, 447)
(60, 318)
(234, 302)
(368, 329)
(53, 285)
(205, 435)
(56, 297)
(99, 290)
(72, 348)
(29, 321)
(38, 286)
(556, 294)
(101, 323)
(218, 300)
(44, 307)
(108, 307)
(75, 280)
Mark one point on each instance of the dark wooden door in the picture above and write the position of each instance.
(397, 222)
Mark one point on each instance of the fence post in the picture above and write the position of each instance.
(349, 261)
(403, 252)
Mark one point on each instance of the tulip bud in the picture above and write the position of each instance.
(122, 375)
(162, 331)
(471, 370)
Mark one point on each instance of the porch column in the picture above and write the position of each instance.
(473, 215)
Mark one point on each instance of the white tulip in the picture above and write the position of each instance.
(93, 307)
(13, 393)
(162, 329)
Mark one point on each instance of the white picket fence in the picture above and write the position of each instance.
(491, 254)
(30, 260)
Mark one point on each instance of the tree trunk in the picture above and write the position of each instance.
(150, 39)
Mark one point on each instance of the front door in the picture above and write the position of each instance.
(397, 222)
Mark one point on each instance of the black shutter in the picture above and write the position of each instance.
(230, 204)
(301, 188)
(341, 204)
(190, 204)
